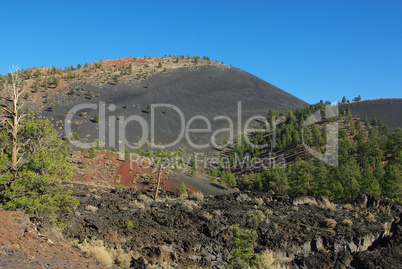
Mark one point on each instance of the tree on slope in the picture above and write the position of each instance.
(181, 189)
(32, 161)
(12, 114)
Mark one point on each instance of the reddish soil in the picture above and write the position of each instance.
(112, 171)
(22, 246)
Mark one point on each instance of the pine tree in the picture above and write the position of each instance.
(245, 183)
(317, 138)
(350, 177)
(307, 137)
(127, 154)
(357, 99)
(44, 165)
(279, 183)
(343, 100)
(367, 181)
(181, 189)
(392, 187)
(299, 175)
(257, 184)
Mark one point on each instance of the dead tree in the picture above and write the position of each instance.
(160, 171)
(12, 114)
(159, 181)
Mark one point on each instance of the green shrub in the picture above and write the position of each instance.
(76, 136)
(127, 154)
(243, 255)
(182, 188)
(129, 225)
(93, 153)
(28, 193)
(36, 187)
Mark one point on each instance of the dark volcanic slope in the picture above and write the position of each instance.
(207, 91)
(389, 111)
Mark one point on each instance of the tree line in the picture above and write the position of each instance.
(369, 158)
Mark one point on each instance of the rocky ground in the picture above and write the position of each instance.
(299, 231)
(127, 228)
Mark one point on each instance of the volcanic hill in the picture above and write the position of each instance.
(387, 110)
(192, 86)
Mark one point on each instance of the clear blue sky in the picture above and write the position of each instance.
(312, 49)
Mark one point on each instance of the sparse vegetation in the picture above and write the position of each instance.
(330, 223)
(93, 152)
(76, 136)
(96, 118)
(199, 196)
(347, 222)
(97, 250)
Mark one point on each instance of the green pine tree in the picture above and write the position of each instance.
(181, 189)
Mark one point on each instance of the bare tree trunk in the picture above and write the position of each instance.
(13, 116)
(14, 146)
(159, 181)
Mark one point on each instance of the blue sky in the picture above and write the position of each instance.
(311, 49)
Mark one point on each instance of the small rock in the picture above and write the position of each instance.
(243, 197)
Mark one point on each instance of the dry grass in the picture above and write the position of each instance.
(121, 257)
(304, 200)
(370, 217)
(138, 204)
(330, 223)
(323, 249)
(259, 201)
(116, 238)
(217, 212)
(207, 216)
(199, 196)
(349, 207)
(385, 209)
(190, 205)
(91, 208)
(328, 205)
(143, 197)
(97, 250)
(268, 212)
(268, 260)
(347, 222)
